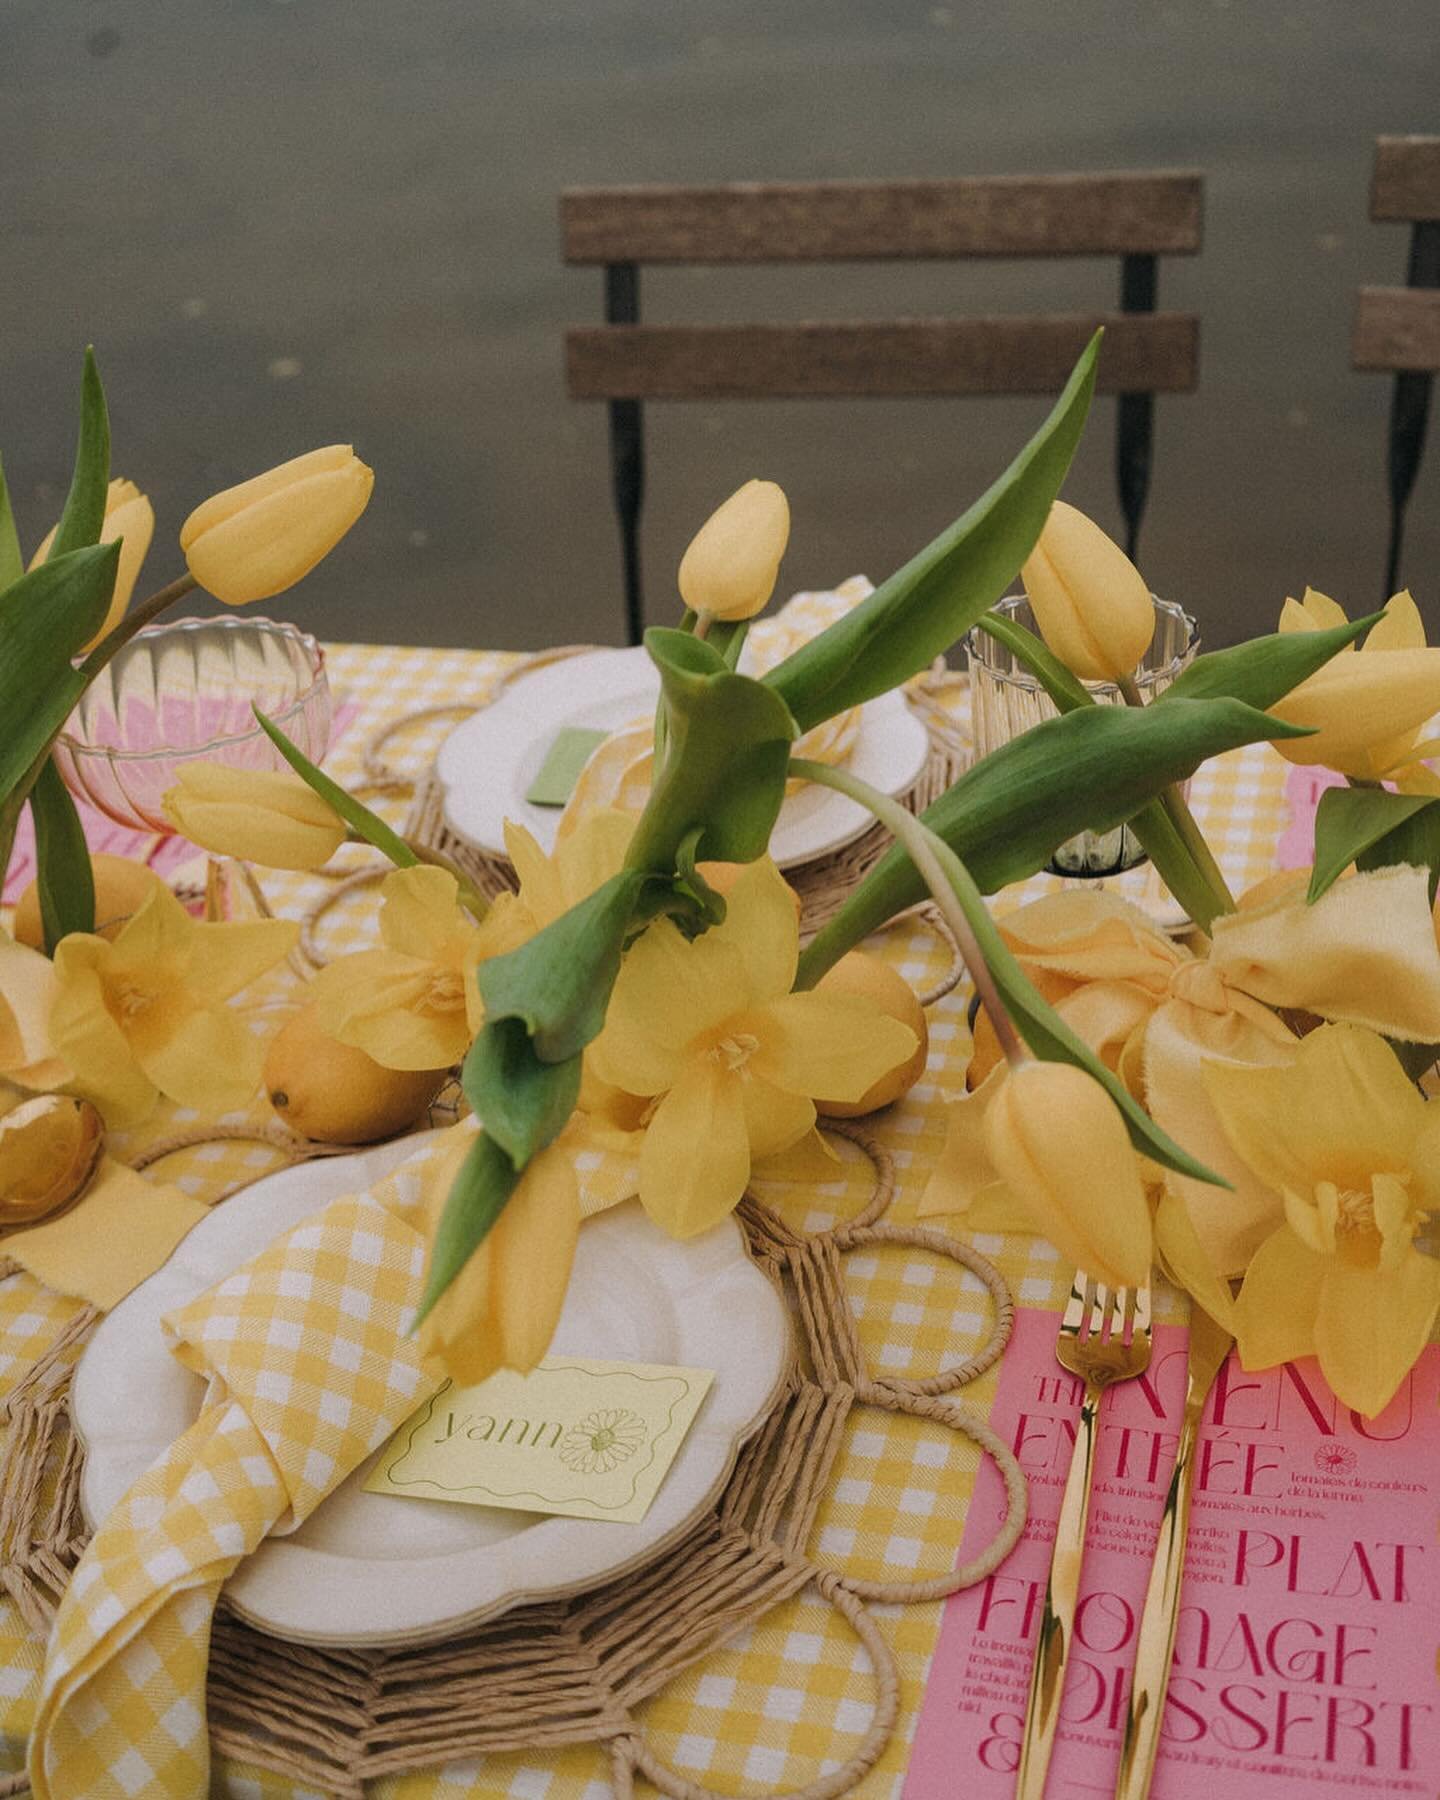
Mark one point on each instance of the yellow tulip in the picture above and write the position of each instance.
(1367, 708)
(414, 1003)
(1090, 601)
(265, 816)
(1059, 1143)
(708, 1030)
(261, 537)
(501, 1310)
(144, 1014)
(730, 566)
(1351, 1153)
(130, 517)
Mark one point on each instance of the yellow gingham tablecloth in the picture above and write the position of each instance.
(788, 1700)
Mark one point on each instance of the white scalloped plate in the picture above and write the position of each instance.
(486, 765)
(377, 1570)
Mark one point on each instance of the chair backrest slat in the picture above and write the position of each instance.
(1003, 216)
(1154, 352)
(1397, 328)
(1406, 183)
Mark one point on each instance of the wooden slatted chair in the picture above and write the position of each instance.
(1137, 217)
(1397, 329)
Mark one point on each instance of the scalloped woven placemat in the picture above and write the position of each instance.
(573, 1671)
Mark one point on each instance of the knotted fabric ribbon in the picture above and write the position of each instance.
(310, 1368)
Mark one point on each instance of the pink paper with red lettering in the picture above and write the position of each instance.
(1310, 1614)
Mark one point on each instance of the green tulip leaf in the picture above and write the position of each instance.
(1375, 830)
(1267, 668)
(1033, 653)
(12, 563)
(84, 513)
(940, 593)
(726, 752)
(64, 875)
(364, 823)
(1090, 770)
(522, 1100)
(486, 1180)
(559, 982)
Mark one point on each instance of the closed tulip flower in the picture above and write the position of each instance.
(265, 816)
(130, 517)
(1090, 601)
(1059, 1143)
(259, 538)
(730, 567)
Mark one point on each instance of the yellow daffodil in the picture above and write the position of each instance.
(1367, 707)
(584, 858)
(413, 1003)
(709, 1030)
(130, 517)
(265, 816)
(1352, 1153)
(1058, 1142)
(144, 1014)
(730, 566)
(501, 1310)
(261, 537)
(27, 992)
(1089, 600)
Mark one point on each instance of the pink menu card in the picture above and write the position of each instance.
(1310, 1617)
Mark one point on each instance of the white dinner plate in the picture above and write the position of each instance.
(376, 1569)
(486, 766)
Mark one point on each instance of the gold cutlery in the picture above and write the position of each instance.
(1209, 1346)
(1104, 1337)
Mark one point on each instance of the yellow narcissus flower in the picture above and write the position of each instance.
(27, 991)
(261, 537)
(1367, 707)
(144, 1014)
(412, 1004)
(1090, 601)
(130, 517)
(709, 1030)
(730, 566)
(584, 858)
(501, 1310)
(1352, 1154)
(265, 816)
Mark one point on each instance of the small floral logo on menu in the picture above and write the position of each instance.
(602, 1441)
(1335, 1459)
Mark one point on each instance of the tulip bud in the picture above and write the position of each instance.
(1090, 601)
(130, 517)
(730, 567)
(265, 816)
(1059, 1143)
(261, 537)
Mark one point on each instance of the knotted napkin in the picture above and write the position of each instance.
(310, 1368)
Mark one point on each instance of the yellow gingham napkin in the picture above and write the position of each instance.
(309, 1370)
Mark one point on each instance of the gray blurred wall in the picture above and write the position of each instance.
(287, 222)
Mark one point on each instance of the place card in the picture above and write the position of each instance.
(586, 1439)
(1307, 1633)
(572, 748)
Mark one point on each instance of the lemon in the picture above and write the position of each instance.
(873, 980)
(334, 1094)
(120, 885)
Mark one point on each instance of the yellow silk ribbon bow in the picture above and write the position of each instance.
(310, 1368)
(1364, 954)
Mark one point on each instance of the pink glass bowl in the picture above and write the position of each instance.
(182, 692)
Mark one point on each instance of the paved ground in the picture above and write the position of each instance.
(288, 223)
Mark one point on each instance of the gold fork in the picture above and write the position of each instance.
(1104, 1337)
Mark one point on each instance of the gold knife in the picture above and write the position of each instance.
(1209, 1346)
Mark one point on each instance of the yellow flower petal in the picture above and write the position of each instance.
(1402, 628)
(420, 914)
(695, 1161)
(93, 1045)
(730, 566)
(265, 816)
(1059, 1143)
(762, 928)
(774, 1119)
(669, 992)
(1358, 702)
(1186, 1261)
(27, 992)
(1372, 1325)
(209, 1059)
(130, 517)
(1090, 601)
(382, 1003)
(1341, 1111)
(1276, 1308)
(963, 1168)
(832, 1045)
